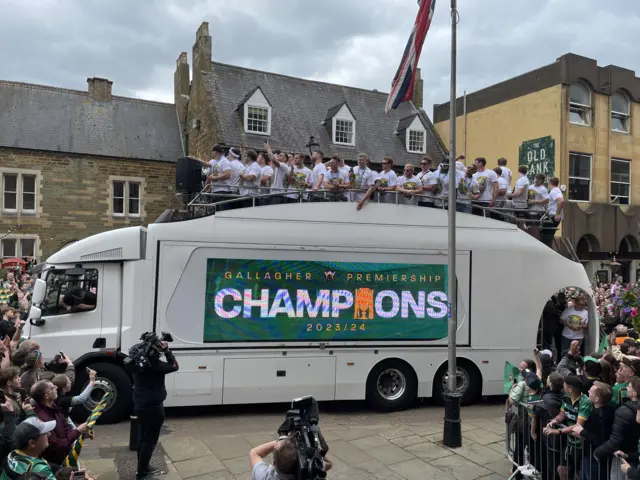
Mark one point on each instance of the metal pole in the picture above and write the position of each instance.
(452, 436)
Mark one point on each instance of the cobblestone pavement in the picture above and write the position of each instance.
(214, 443)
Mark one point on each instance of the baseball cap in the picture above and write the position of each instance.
(634, 364)
(532, 381)
(30, 429)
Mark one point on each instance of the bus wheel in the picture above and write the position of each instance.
(468, 382)
(392, 385)
(112, 379)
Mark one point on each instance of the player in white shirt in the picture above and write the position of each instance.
(236, 169)
(468, 190)
(336, 181)
(219, 177)
(520, 194)
(538, 195)
(440, 183)
(506, 172)
(555, 210)
(281, 171)
(317, 176)
(426, 197)
(408, 187)
(503, 188)
(299, 178)
(266, 179)
(387, 181)
(250, 176)
(488, 182)
(361, 178)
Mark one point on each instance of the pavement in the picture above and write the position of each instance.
(213, 443)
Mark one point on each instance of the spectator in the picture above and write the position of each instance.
(10, 384)
(44, 393)
(65, 401)
(31, 439)
(596, 431)
(624, 374)
(34, 369)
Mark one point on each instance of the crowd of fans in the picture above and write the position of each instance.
(576, 415)
(286, 177)
(36, 432)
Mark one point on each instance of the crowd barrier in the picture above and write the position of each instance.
(535, 455)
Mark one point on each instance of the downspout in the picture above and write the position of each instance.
(464, 112)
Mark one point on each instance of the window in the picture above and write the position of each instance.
(620, 181)
(417, 141)
(258, 120)
(620, 112)
(580, 104)
(18, 192)
(579, 177)
(343, 132)
(70, 291)
(125, 198)
(20, 247)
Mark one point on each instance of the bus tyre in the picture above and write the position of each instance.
(391, 385)
(110, 378)
(469, 381)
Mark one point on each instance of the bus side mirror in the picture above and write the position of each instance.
(34, 317)
(39, 289)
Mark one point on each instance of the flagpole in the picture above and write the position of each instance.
(452, 436)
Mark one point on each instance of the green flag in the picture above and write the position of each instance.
(603, 344)
(511, 373)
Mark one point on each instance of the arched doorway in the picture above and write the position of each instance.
(586, 245)
(629, 244)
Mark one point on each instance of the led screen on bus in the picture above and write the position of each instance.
(275, 300)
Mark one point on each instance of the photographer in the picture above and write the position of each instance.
(34, 367)
(149, 394)
(285, 460)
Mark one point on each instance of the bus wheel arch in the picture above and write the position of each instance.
(392, 384)
(112, 377)
(469, 378)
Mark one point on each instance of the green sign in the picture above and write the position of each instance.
(276, 300)
(540, 156)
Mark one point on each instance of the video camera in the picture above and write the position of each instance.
(142, 354)
(301, 425)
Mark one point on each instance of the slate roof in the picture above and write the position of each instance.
(299, 107)
(37, 117)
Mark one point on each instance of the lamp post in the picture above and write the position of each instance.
(312, 143)
(452, 434)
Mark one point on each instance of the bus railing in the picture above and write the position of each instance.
(539, 456)
(206, 203)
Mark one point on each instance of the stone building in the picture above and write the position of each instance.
(244, 107)
(578, 121)
(75, 163)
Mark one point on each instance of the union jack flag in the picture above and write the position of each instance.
(403, 82)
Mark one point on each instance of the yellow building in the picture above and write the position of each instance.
(575, 120)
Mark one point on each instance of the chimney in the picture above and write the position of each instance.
(202, 50)
(181, 85)
(418, 90)
(100, 89)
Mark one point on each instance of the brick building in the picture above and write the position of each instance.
(244, 107)
(578, 121)
(76, 163)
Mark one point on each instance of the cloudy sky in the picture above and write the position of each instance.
(352, 42)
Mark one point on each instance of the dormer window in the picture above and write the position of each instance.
(342, 125)
(414, 134)
(256, 113)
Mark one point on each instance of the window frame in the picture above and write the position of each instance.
(18, 248)
(20, 174)
(611, 182)
(423, 149)
(587, 109)
(249, 106)
(624, 117)
(126, 181)
(353, 131)
(590, 179)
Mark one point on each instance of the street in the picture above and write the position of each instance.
(213, 443)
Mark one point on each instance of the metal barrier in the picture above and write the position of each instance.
(540, 456)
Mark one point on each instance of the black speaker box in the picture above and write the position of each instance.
(188, 175)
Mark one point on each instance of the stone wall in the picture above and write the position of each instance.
(74, 195)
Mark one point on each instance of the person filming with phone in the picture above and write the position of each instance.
(149, 393)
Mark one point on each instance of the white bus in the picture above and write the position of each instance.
(270, 303)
